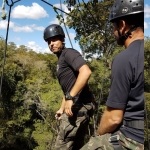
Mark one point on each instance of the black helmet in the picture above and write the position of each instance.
(53, 30)
(122, 8)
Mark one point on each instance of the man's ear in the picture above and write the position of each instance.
(122, 26)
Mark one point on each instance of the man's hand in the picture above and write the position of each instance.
(58, 114)
(68, 106)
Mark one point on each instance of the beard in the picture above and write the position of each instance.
(120, 41)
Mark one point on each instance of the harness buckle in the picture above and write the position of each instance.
(114, 138)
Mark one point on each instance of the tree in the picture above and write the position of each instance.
(30, 97)
(93, 29)
(147, 90)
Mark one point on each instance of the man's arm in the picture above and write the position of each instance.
(61, 109)
(82, 79)
(110, 120)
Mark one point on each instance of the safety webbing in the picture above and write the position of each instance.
(137, 124)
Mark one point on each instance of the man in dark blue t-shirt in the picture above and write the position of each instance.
(122, 124)
(73, 74)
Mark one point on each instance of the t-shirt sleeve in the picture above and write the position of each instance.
(120, 83)
(74, 59)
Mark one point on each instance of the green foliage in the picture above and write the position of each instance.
(147, 121)
(147, 90)
(30, 97)
(93, 29)
(100, 78)
(31, 93)
(147, 63)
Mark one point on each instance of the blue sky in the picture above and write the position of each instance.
(30, 17)
(28, 20)
(147, 17)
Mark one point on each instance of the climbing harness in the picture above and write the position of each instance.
(114, 139)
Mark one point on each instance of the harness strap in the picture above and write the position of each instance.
(114, 139)
(137, 124)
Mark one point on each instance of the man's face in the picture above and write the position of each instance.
(55, 44)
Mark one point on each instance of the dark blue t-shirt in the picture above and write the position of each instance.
(127, 87)
(68, 65)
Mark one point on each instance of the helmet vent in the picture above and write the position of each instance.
(123, 8)
(53, 30)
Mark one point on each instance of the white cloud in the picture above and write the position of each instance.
(3, 24)
(18, 28)
(38, 49)
(32, 45)
(147, 11)
(46, 50)
(64, 8)
(31, 12)
(35, 27)
(23, 29)
(145, 25)
(55, 21)
(40, 28)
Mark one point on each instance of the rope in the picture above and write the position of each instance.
(4, 15)
(61, 20)
(86, 46)
(65, 24)
(4, 61)
(57, 8)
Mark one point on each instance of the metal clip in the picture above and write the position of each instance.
(114, 138)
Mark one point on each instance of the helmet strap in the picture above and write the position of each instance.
(122, 38)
